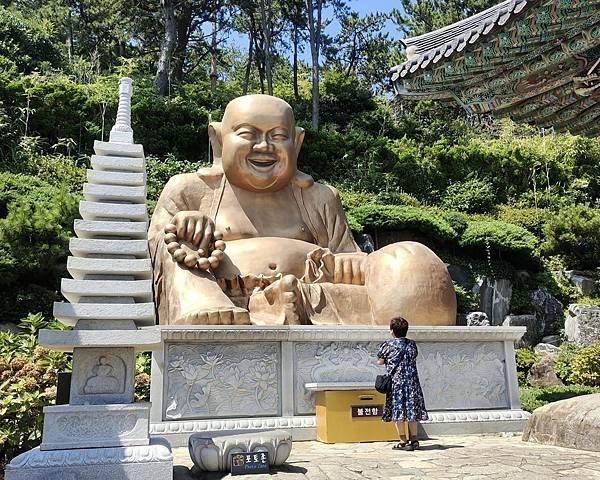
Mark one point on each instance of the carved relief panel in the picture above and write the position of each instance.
(454, 376)
(209, 380)
(102, 376)
(331, 362)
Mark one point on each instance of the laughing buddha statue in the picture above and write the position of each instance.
(254, 240)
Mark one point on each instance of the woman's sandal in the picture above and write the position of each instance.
(400, 446)
(412, 446)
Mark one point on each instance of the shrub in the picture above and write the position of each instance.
(466, 300)
(535, 397)
(524, 358)
(575, 233)
(399, 217)
(470, 196)
(585, 367)
(27, 385)
(36, 221)
(564, 361)
(533, 219)
(142, 377)
(499, 237)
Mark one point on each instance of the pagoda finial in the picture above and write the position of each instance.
(122, 132)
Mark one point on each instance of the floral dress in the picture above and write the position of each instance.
(405, 402)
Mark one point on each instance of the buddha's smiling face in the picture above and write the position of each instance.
(258, 142)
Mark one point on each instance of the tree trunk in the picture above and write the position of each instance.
(314, 28)
(161, 82)
(184, 29)
(265, 18)
(295, 62)
(213, 55)
(248, 63)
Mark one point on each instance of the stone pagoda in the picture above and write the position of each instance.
(102, 433)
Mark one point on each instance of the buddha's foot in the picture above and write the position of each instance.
(217, 316)
(278, 304)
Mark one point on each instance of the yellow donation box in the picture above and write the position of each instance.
(345, 414)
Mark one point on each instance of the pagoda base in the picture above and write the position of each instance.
(115, 463)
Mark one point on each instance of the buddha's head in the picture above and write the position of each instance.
(258, 143)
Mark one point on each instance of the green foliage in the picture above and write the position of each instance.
(585, 367)
(27, 385)
(465, 299)
(36, 221)
(26, 43)
(525, 359)
(535, 397)
(419, 221)
(563, 366)
(574, 232)
(532, 219)
(142, 377)
(499, 237)
(470, 196)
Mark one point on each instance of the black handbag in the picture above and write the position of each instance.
(383, 383)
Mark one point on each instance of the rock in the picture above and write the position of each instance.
(584, 284)
(212, 453)
(460, 276)
(477, 319)
(365, 242)
(494, 298)
(547, 309)
(552, 340)
(542, 373)
(582, 325)
(8, 327)
(532, 335)
(546, 349)
(572, 423)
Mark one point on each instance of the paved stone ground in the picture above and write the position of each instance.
(471, 457)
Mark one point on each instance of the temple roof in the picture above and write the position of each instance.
(532, 60)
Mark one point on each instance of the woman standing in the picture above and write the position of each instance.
(405, 402)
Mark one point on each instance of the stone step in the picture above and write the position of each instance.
(114, 193)
(106, 228)
(129, 179)
(113, 211)
(138, 268)
(73, 290)
(118, 164)
(119, 149)
(145, 339)
(88, 247)
(69, 313)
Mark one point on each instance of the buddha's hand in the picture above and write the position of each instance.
(349, 268)
(190, 237)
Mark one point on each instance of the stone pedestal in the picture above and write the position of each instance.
(234, 379)
(152, 461)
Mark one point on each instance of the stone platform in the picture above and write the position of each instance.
(239, 379)
(466, 457)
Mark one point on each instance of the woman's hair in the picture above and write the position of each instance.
(399, 326)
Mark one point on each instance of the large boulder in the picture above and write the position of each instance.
(533, 334)
(542, 372)
(572, 423)
(460, 276)
(494, 298)
(547, 309)
(582, 325)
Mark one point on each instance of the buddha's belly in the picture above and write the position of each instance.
(268, 256)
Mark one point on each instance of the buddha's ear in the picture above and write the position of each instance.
(298, 139)
(216, 140)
